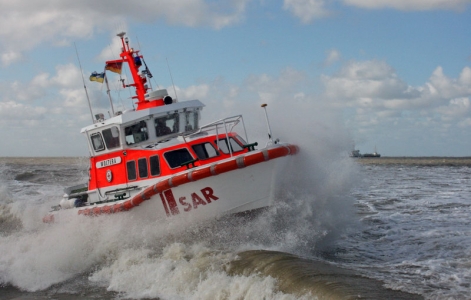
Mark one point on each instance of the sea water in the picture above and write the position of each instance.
(341, 228)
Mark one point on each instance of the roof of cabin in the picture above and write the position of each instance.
(130, 116)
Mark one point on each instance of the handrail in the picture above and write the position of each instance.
(216, 124)
(229, 121)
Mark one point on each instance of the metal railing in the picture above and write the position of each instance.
(227, 124)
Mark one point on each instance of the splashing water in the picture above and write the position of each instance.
(139, 257)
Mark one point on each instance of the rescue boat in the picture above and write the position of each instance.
(159, 159)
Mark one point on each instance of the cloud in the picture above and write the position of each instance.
(466, 123)
(46, 99)
(310, 10)
(366, 83)
(271, 89)
(110, 52)
(375, 100)
(375, 84)
(332, 57)
(24, 24)
(35, 22)
(43, 84)
(409, 5)
(306, 10)
(10, 57)
(445, 87)
(12, 112)
(195, 13)
(191, 92)
(456, 109)
(66, 76)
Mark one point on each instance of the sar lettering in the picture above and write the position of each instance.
(198, 199)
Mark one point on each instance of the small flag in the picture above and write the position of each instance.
(149, 74)
(114, 66)
(100, 77)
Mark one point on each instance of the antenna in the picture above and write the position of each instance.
(138, 44)
(264, 105)
(171, 77)
(146, 71)
(108, 92)
(84, 86)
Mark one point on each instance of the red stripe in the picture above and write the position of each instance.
(107, 209)
(163, 185)
(172, 204)
(201, 173)
(253, 159)
(164, 203)
(278, 152)
(226, 166)
(179, 179)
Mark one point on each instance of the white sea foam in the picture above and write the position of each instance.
(182, 271)
(126, 255)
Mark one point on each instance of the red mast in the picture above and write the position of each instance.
(133, 59)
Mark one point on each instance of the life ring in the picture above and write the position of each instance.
(109, 175)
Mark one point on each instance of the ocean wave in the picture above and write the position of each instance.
(9, 222)
(302, 277)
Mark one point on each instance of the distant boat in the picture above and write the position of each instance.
(357, 154)
(374, 154)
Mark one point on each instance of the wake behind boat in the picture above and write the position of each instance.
(158, 156)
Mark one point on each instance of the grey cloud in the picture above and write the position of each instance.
(24, 24)
(410, 5)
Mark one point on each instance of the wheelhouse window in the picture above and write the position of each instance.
(222, 145)
(131, 167)
(166, 125)
(178, 157)
(97, 142)
(154, 165)
(111, 136)
(136, 133)
(241, 140)
(142, 167)
(191, 120)
(205, 150)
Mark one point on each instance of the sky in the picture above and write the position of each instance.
(390, 75)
